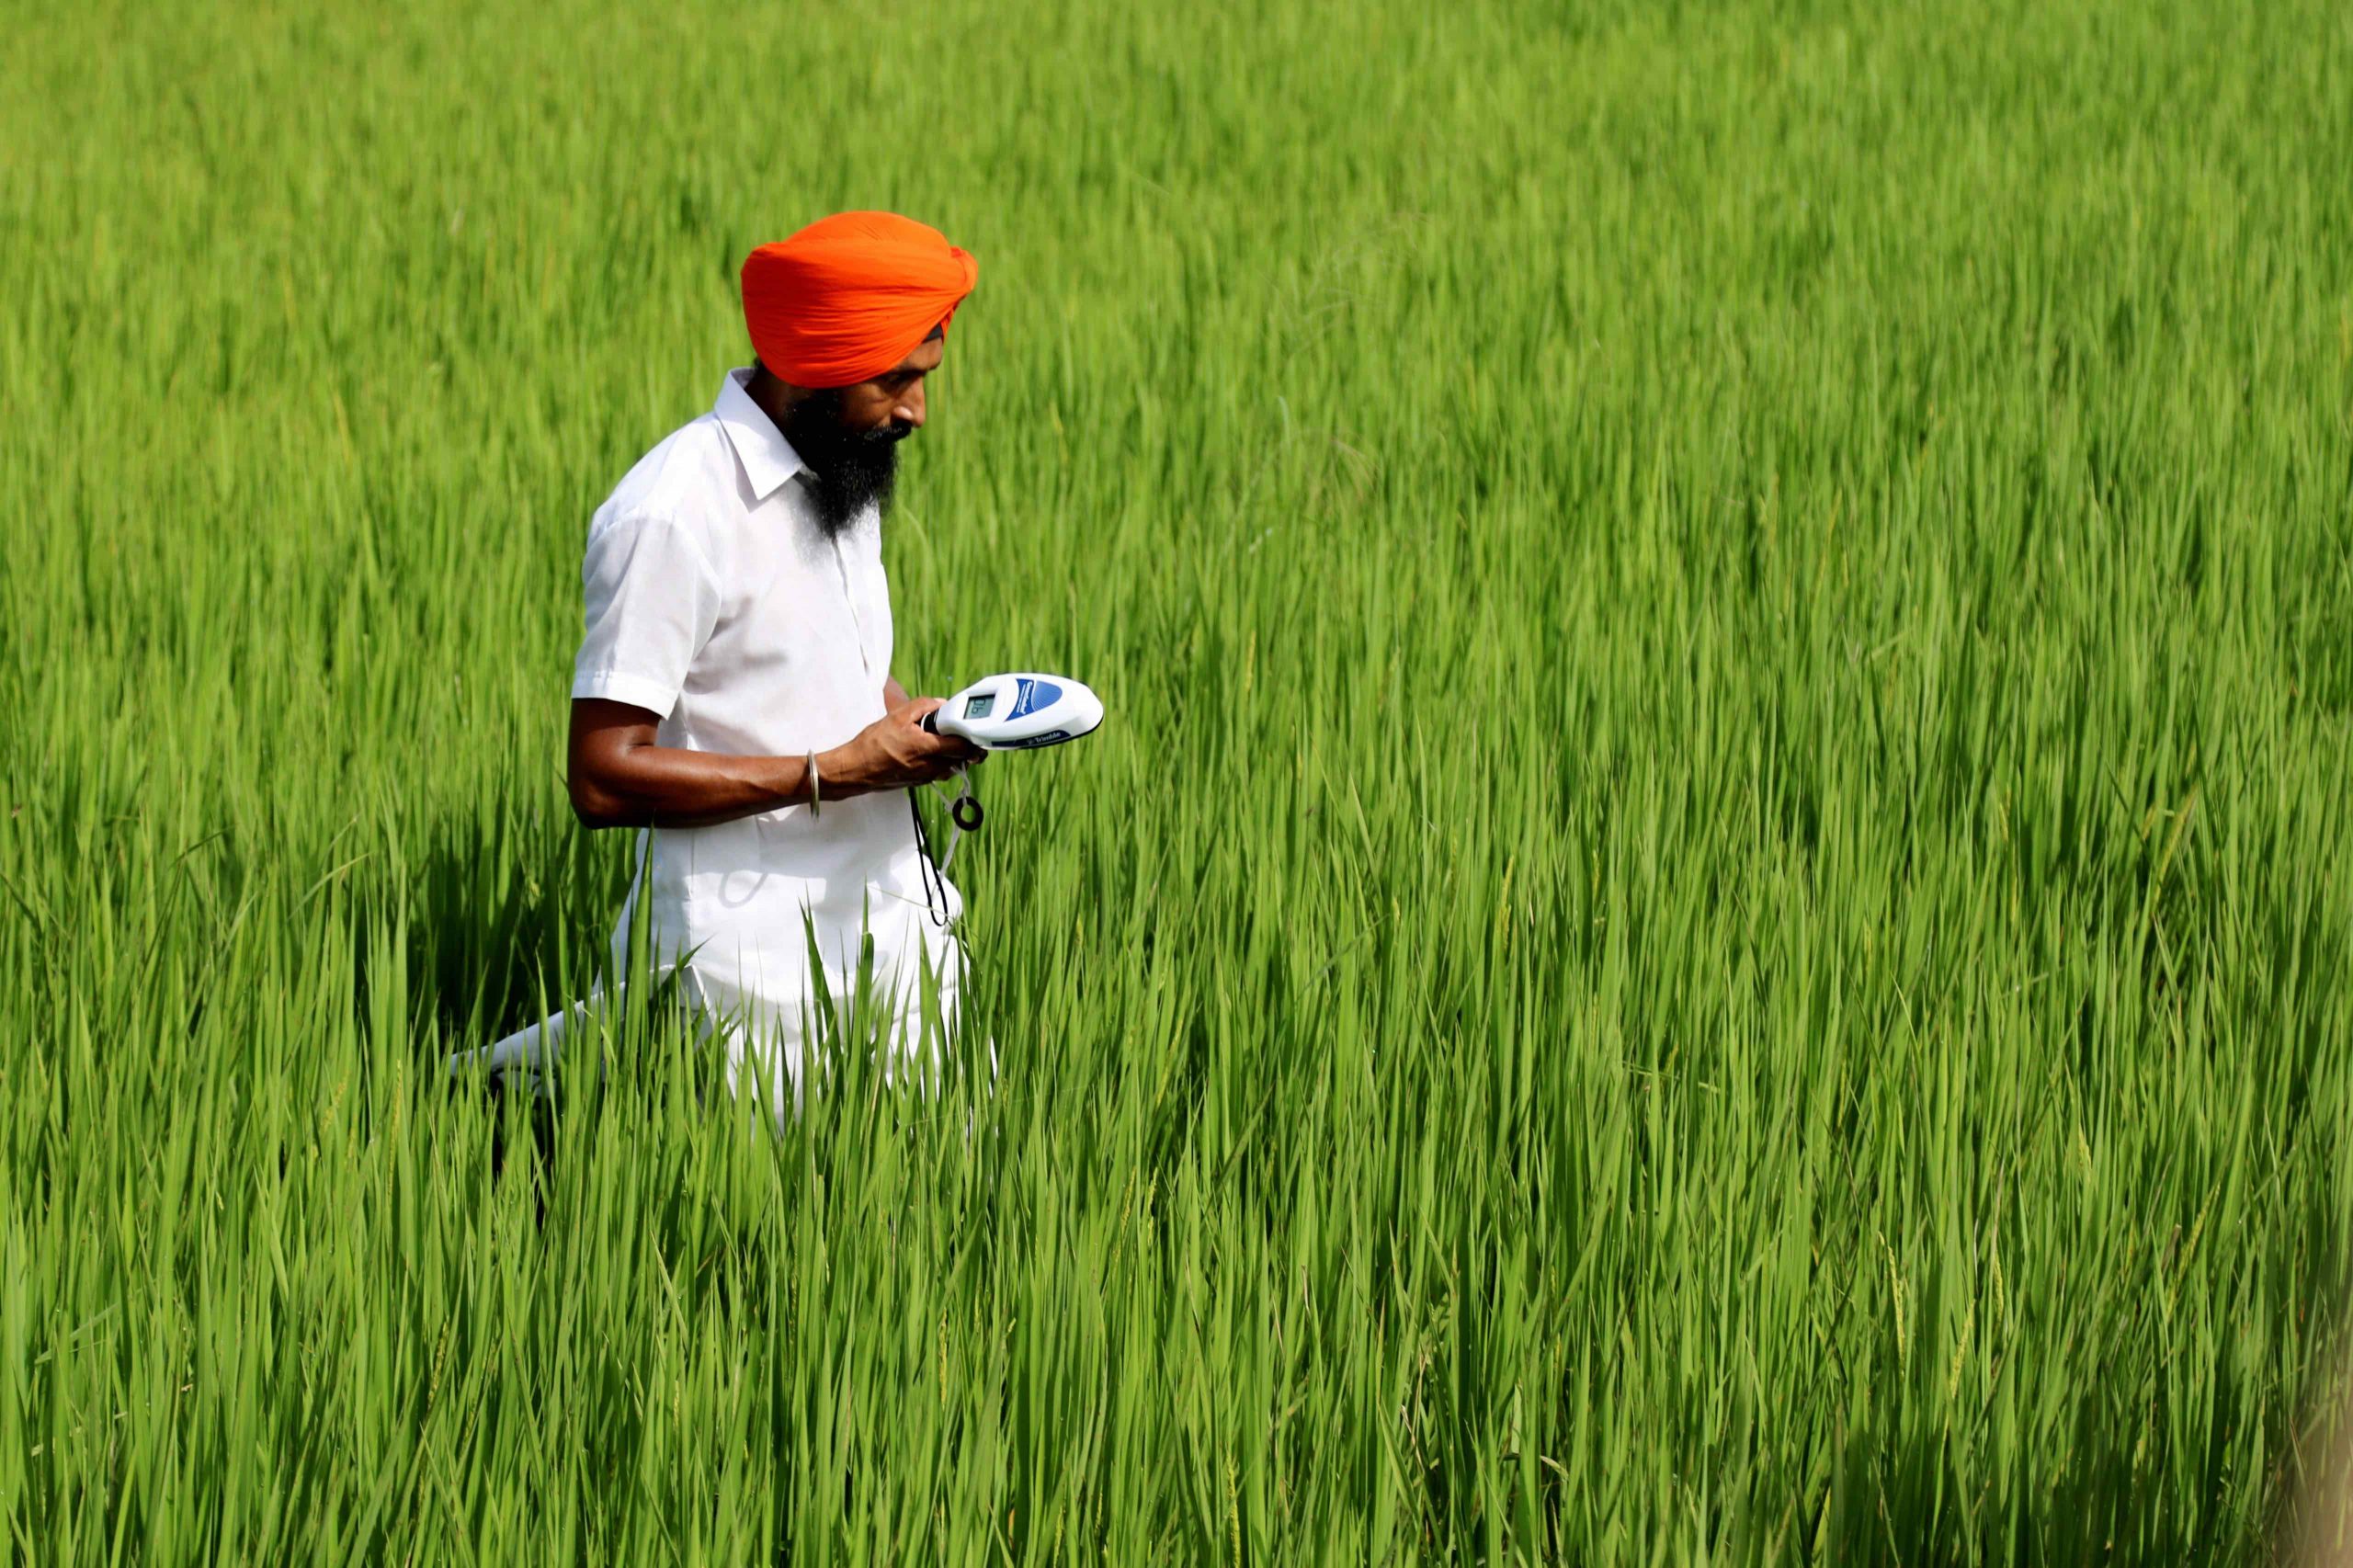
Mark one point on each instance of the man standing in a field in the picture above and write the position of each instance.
(734, 690)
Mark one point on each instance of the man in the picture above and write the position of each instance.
(734, 690)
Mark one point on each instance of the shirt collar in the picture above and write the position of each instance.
(767, 458)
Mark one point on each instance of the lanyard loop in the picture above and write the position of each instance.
(964, 814)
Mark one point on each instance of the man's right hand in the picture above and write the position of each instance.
(893, 752)
(621, 776)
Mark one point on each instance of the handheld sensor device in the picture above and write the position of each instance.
(1018, 713)
(1015, 713)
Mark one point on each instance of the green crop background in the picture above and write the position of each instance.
(1715, 921)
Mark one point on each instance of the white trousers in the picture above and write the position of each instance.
(766, 978)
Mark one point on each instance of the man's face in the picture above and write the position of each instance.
(849, 436)
(894, 401)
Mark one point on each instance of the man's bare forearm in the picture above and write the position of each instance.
(618, 776)
(651, 786)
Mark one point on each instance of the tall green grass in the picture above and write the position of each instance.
(1712, 922)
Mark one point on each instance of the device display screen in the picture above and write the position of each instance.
(978, 707)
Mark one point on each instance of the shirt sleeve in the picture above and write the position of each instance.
(652, 602)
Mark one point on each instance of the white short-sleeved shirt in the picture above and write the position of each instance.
(716, 601)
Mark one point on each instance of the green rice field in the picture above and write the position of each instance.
(1715, 921)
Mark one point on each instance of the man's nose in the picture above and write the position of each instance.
(909, 409)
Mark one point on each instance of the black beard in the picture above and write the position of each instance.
(849, 469)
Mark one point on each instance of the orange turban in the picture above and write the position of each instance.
(850, 296)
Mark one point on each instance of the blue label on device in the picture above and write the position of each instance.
(1034, 695)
